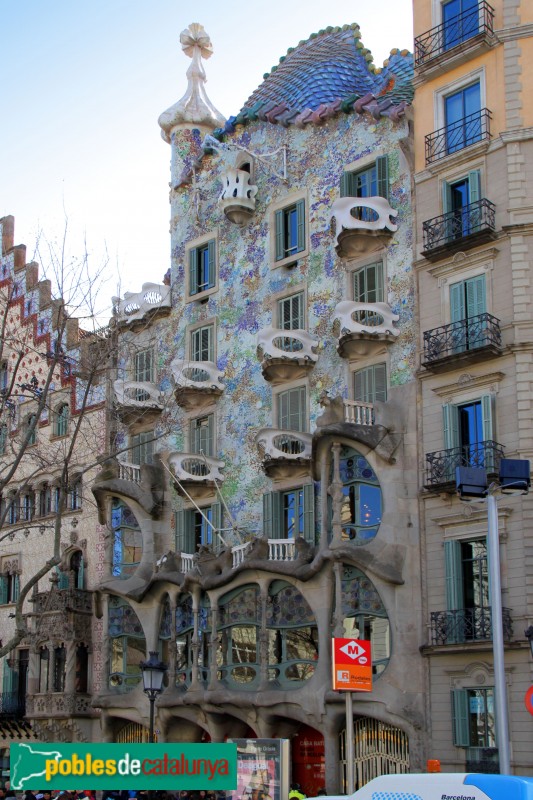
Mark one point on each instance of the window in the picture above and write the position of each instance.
(467, 591)
(9, 588)
(290, 514)
(13, 510)
(60, 668)
(202, 435)
(44, 663)
(467, 309)
(143, 372)
(3, 439)
(202, 268)
(127, 540)
(292, 412)
(291, 313)
(195, 528)
(202, 344)
(290, 230)
(61, 420)
(361, 507)
(31, 428)
(474, 721)
(239, 621)
(27, 507)
(462, 114)
(82, 669)
(364, 615)
(467, 427)
(460, 19)
(4, 377)
(74, 498)
(292, 635)
(368, 283)
(373, 181)
(142, 448)
(127, 644)
(45, 500)
(370, 384)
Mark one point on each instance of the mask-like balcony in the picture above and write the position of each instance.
(137, 400)
(238, 196)
(466, 340)
(461, 229)
(458, 135)
(364, 328)
(364, 224)
(153, 300)
(286, 354)
(466, 625)
(456, 40)
(441, 465)
(284, 453)
(197, 383)
(195, 473)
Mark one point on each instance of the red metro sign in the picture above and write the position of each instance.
(352, 665)
(528, 699)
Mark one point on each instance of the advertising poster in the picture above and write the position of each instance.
(262, 769)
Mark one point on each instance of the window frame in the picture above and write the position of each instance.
(380, 282)
(366, 371)
(273, 513)
(138, 446)
(279, 398)
(197, 331)
(195, 437)
(185, 532)
(208, 243)
(440, 95)
(350, 176)
(282, 317)
(300, 203)
(61, 420)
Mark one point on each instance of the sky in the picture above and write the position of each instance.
(84, 82)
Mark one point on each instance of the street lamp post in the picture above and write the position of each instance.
(472, 484)
(153, 672)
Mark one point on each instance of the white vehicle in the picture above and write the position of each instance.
(443, 786)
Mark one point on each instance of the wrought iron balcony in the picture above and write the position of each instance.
(441, 465)
(458, 135)
(449, 34)
(457, 230)
(459, 339)
(467, 625)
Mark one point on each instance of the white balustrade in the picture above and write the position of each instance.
(187, 562)
(239, 552)
(358, 413)
(129, 472)
(281, 550)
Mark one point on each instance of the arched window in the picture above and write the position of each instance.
(364, 616)
(127, 540)
(292, 635)
(45, 500)
(31, 428)
(184, 636)
(128, 645)
(27, 506)
(61, 420)
(239, 619)
(361, 508)
(165, 630)
(60, 666)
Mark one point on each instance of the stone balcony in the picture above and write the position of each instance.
(196, 475)
(363, 224)
(285, 354)
(59, 704)
(364, 329)
(197, 383)
(278, 550)
(284, 453)
(139, 307)
(238, 196)
(137, 400)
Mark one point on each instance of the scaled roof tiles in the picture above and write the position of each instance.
(328, 73)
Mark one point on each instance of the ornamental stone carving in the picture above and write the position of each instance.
(238, 196)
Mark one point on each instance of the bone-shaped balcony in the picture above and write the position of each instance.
(152, 300)
(363, 224)
(286, 354)
(197, 383)
(364, 328)
(284, 453)
(136, 400)
(195, 474)
(238, 196)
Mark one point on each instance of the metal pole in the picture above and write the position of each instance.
(500, 687)
(350, 754)
(151, 729)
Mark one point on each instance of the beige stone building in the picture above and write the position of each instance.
(474, 254)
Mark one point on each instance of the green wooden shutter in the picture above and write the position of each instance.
(454, 575)
(379, 282)
(361, 385)
(63, 579)
(450, 421)
(300, 221)
(309, 513)
(81, 574)
(210, 443)
(272, 515)
(8, 679)
(3, 590)
(475, 296)
(212, 263)
(474, 186)
(446, 198)
(380, 382)
(216, 520)
(347, 187)
(16, 587)
(382, 171)
(460, 718)
(280, 230)
(193, 271)
(457, 302)
(487, 421)
(185, 532)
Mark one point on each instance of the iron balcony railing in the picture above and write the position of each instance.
(467, 625)
(460, 337)
(455, 226)
(444, 37)
(457, 135)
(12, 705)
(441, 465)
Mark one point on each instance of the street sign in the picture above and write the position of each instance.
(529, 699)
(352, 665)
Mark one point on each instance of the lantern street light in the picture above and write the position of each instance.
(153, 672)
(472, 485)
(529, 637)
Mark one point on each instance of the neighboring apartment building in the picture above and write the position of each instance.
(52, 426)
(474, 252)
(264, 493)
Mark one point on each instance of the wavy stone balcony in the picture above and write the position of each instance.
(238, 196)
(364, 329)
(197, 475)
(364, 224)
(137, 400)
(153, 300)
(466, 625)
(286, 355)
(284, 453)
(197, 383)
